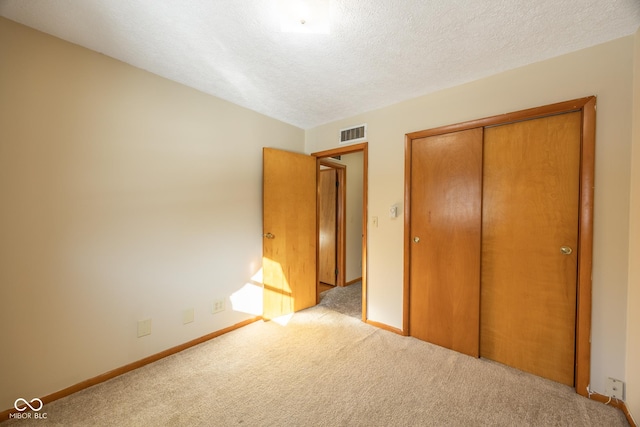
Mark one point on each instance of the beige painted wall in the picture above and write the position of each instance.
(124, 196)
(606, 71)
(354, 163)
(633, 303)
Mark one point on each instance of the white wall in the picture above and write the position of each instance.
(633, 303)
(123, 196)
(606, 71)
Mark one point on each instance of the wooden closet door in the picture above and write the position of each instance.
(446, 190)
(529, 223)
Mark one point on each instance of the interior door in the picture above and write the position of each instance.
(328, 226)
(446, 192)
(289, 251)
(529, 246)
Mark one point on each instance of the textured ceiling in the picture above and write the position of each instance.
(377, 53)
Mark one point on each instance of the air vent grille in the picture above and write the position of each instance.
(353, 134)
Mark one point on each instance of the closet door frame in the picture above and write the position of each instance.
(587, 107)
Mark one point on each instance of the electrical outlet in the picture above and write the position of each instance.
(187, 316)
(144, 327)
(615, 389)
(218, 306)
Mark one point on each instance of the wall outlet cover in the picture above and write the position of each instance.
(187, 316)
(615, 388)
(218, 306)
(144, 327)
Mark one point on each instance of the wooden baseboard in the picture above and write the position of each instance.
(351, 282)
(4, 415)
(627, 414)
(385, 327)
(616, 404)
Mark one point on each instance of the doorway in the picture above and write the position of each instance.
(331, 224)
(351, 213)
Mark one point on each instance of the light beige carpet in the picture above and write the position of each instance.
(346, 300)
(325, 368)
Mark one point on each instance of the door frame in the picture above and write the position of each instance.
(355, 148)
(341, 218)
(587, 107)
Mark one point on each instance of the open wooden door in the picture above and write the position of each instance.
(289, 256)
(328, 227)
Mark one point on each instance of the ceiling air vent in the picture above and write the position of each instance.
(353, 134)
